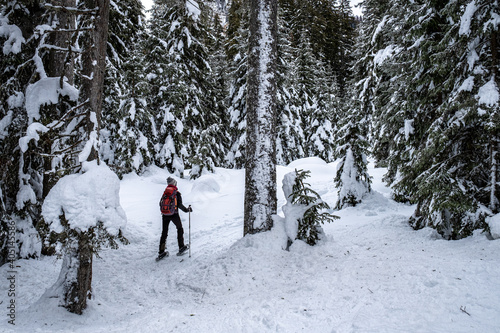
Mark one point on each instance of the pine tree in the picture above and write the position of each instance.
(165, 101)
(236, 50)
(305, 97)
(213, 140)
(456, 162)
(76, 272)
(376, 43)
(21, 181)
(39, 87)
(127, 131)
(435, 140)
(182, 85)
(313, 213)
(290, 140)
(480, 83)
(352, 178)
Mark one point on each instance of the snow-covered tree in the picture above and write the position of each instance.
(260, 175)
(290, 130)
(436, 142)
(454, 182)
(37, 97)
(127, 127)
(96, 221)
(352, 178)
(182, 84)
(213, 140)
(305, 212)
(236, 50)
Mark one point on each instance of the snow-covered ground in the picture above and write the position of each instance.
(373, 273)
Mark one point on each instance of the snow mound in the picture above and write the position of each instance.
(319, 168)
(308, 161)
(156, 175)
(206, 184)
(494, 223)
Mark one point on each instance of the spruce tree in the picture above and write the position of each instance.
(307, 76)
(455, 182)
(352, 178)
(313, 213)
(127, 128)
(21, 172)
(213, 140)
(165, 100)
(290, 140)
(236, 50)
(40, 87)
(182, 85)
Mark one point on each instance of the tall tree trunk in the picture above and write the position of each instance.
(260, 179)
(59, 63)
(93, 63)
(94, 66)
(494, 156)
(494, 141)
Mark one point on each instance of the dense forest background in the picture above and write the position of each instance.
(413, 85)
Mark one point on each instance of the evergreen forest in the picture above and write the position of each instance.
(412, 86)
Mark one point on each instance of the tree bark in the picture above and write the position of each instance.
(79, 290)
(58, 64)
(494, 136)
(94, 66)
(260, 179)
(93, 63)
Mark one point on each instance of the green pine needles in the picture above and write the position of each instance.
(314, 213)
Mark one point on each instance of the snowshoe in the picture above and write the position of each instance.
(162, 255)
(183, 250)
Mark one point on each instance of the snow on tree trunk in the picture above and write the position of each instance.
(73, 286)
(84, 211)
(59, 63)
(82, 234)
(94, 66)
(260, 179)
(495, 148)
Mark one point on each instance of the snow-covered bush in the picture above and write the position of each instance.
(304, 210)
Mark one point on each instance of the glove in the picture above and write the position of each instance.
(190, 209)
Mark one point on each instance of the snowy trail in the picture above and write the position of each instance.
(373, 273)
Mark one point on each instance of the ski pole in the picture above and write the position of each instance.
(189, 231)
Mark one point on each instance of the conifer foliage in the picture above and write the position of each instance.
(181, 80)
(305, 206)
(440, 142)
(127, 127)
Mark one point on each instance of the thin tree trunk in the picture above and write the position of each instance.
(260, 179)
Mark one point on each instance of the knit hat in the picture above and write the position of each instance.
(171, 181)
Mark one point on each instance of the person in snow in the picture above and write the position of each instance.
(175, 218)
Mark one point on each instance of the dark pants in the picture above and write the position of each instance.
(164, 233)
